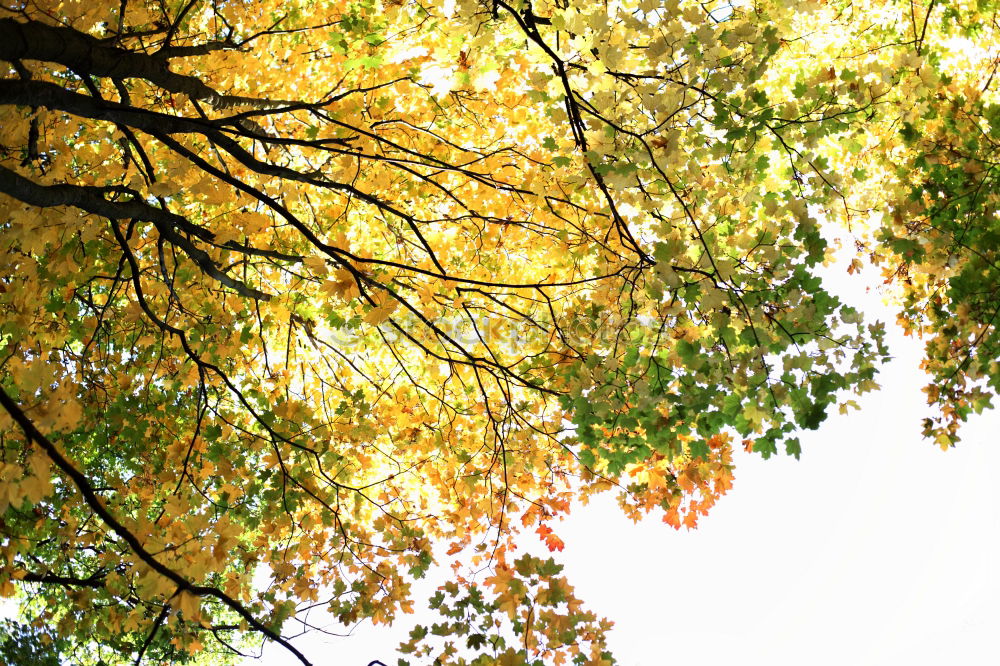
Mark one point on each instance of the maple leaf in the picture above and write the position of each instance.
(316, 302)
(552, 542)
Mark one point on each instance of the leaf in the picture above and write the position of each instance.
(387, 285)
(379, 314)
(189, 605)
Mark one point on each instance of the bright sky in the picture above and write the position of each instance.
(874, 548)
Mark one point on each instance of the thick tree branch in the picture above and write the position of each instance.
(85, 54)
(91, 199)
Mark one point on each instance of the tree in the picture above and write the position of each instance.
(20, 644)
(329, 291)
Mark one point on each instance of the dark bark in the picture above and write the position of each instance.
(84, 54)
(92, 200)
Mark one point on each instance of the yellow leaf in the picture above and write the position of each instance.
(162, 189)
(189, 605)
(379, 314)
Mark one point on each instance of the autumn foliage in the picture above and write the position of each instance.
(300, 298)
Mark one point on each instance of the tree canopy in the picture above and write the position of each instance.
(300, 297)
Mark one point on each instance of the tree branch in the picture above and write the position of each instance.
(97, 506)
(91, 199)
(85, 54)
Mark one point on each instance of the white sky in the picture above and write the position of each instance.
(875, 547)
